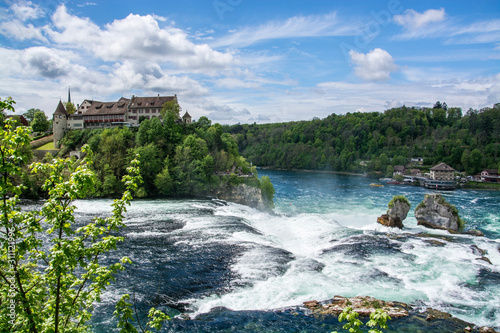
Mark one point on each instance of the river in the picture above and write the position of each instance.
(232, 268)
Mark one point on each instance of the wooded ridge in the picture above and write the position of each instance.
(376, 141)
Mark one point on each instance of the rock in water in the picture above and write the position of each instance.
(399, 207)
(436, 213)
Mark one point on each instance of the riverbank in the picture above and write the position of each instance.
(480, 186)
(317, 171)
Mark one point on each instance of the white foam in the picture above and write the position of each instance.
(418, 271)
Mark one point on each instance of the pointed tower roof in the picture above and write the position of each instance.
(186, 115)
(60, 109)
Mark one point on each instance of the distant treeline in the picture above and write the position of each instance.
(374, 142)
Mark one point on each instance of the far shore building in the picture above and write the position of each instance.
(417, 160)
(416, 172)
(490, 176)
(124, 112)
(399, 170)
(443, 171)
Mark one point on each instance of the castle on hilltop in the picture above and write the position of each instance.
(124, 112)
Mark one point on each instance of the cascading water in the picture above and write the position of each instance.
(229, 266)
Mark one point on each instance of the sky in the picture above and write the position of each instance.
(246, 61)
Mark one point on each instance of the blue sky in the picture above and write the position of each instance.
(253, 61)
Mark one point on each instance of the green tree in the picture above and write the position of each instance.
(475, 162)
(437, 105)
(384, 161)
(30, 114)
(267, 189)
(170, 112)
(125, 317)
(151, 165)
(50, 271)
(70, 107)
(54, 280)
(203, 123)
(163, 181)
(40, 122)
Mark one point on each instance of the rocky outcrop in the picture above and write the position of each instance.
(399, 207)
(242, 194)
(364, 305)
(436, 213)
(404, 317)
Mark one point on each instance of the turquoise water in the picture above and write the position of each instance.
(229, 267)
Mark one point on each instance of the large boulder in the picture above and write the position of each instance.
(242, 194)
(399, 207)
(436, 213)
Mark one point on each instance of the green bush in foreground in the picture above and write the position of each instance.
(377, 318)
(50, 271)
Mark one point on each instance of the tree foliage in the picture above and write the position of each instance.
(51, 273)
(170, 112)
(176, 159)
(30, 114)
(370, 142)
(377, 318)
(70, 107)
(40, 122)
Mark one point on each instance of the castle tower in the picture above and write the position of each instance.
(59, 123)
(186, 118)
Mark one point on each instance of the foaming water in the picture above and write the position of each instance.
(198, 257)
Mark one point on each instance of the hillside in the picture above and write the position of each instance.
(368, 142)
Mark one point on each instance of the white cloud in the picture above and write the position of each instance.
(347, 97)
(376, 65)
(13, 21)
(75, 31)
(297, 26)
(46, 62)
(87, 4)
(136, 38)
(412, 20)
(476, 33)
(21, 31)
(26, 10)
(433, 23)
(152, 78)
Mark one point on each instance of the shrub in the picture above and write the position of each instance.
(399, 198)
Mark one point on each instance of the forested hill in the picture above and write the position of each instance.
(175, 159)
(359, 142)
